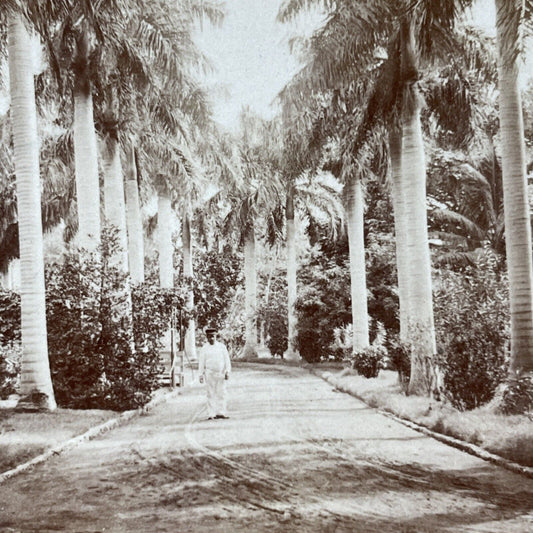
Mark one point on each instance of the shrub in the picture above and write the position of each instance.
(323, 303)
(10, 353)
(9, 316)
(343, 342)
(517, 397)
(383, 304)
(10, 350)
(99, 357)
(471, 315)
(272, 313)
(217, 276)
(368, 362)
(398, 355)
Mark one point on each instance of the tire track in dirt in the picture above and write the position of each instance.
(306, 504)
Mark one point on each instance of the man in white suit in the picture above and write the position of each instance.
(214, 367)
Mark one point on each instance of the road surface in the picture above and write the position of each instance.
(295, 456)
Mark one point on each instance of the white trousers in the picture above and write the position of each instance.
(215, 386)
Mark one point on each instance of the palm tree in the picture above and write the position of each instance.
(134, 217)
(157, 93)
(316, 198)
(349, 48)
(327, 131)
(307, 191)
(114, 198)
(255, 194)
(36, 383)
(85, 146)
(509, 17)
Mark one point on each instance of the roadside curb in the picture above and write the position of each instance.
(467, 447)
(90, 434)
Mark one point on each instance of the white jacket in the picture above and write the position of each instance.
(214, 358)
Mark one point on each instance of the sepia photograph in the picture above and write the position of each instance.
(266, 266)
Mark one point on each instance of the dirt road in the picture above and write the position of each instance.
(294, 456)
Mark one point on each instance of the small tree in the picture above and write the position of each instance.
(472, 320)
(95, 362)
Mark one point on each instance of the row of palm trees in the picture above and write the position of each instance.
(368, 63)
(124, 56)
(355, 104)
(133, 86)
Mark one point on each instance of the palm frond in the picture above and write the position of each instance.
(289, 9)
(510, 18)
(458, 222)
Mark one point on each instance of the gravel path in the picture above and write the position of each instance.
(294, 456)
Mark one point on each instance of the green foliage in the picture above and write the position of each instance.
(517, 397)
(368, 362)
(398, 355)
(99, 357)
(383, 304)
(272, 313)
(10, 355)
(324, 301)
(9, 316)
(472, 322)
(217, 276)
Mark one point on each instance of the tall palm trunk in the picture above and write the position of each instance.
(515, 199)
(421, 327)
(356, 244)
(250, 296)
(164, 241)
(85, 152)
(134, 220)
(188, 273)
(291, 354)
(36, 383)
(114, 203)
(413, 169)
(400, 229)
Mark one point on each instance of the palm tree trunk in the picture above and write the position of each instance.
(134, 220)
(291, 354)
(36, 383)
(85, 152)
(516, 208)
(421, 328)
(413, 168)
(114, 203)
(188, 273)
(250, 297)
(356, 243)
(164, 241)
(400, 228)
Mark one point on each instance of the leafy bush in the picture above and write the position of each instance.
(517, 397)
(272, 313)
(383, 303)
(10, 350)
(99, 357)
(10, 354)
(217, 276)
(323, 303)
(398, 355)
(343, 342)
(368, 362)
(472, 320)
(9, 316)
